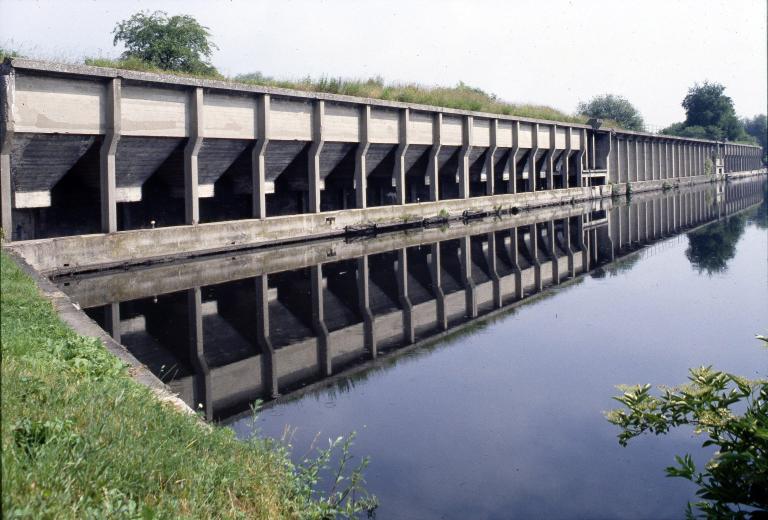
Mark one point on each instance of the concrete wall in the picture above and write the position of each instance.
(168, 146)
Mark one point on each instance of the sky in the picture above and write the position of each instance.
(551, 52)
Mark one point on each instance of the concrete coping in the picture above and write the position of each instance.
(92, 72)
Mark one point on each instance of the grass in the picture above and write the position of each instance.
(81, 439)
(461, 96)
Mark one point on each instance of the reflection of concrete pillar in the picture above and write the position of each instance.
(466, 273)
(433, 169)
(534, 250)
(583, 245)
(493, 268)
(490, 160)
(202, 377)
(466, 148)
(268, 369)
(552, 251)
(402, 292)
(194, 143)
(258, 160)
(402, 148)
(364, 300)
(568, 247)
(361, 175)
(315, 182)
(318, 319)
(8, 89)
(112, 320)
(435, 270)
(514, 256)
(107, 179)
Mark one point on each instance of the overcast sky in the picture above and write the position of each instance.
(553, 52)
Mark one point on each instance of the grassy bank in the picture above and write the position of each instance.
(461, 96)
(81, 439)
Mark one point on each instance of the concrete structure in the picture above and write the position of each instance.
(89, 150)
(271, 321)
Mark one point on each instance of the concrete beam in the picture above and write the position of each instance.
(258, 157)
(490, 162)
(7, 102)
(433, 169)
(513, 157)
(467, 123)
(402, 148)
(361, 178)
(107, 178)
(191, 150)
(315, 183)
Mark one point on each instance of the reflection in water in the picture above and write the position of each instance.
(472, 401)
(225, 331)
(709, 250)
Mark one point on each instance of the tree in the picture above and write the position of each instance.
(177, 43)
(732, 412)
(757, 127)
(709, 114)
(612, 107)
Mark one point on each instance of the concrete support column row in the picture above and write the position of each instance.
(490, 158)
(107, 173)
(7, 96)
(433, 168)
(258, 161)
(361, 175)
(466, 148)
(402, 148)
(315, 182)
(191, 151)
(512, 183)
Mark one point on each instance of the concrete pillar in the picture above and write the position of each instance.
(638, 176)
(567, 155)
(197, 352)
(318, 319)
(435, 270)
(466, 273)
(490, 158)
(112, 320)
(107, 179)
(364, 300)
(361, 176)
(433, 170)
(402, 147)
(7, 95)
(533, 173)
(513, 157)
(194, 143)
(549, 163)
(581, 159)
(467, 123)
(493, 268)
(258, 159)
(409, 333)
(315, 183)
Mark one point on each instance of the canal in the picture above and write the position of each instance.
(474, 360)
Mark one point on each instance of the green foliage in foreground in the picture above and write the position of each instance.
(732, 412)
(81, 439)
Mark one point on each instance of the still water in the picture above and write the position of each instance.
(474, 361)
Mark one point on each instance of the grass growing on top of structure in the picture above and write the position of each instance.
(461, 96)
(81, 439)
